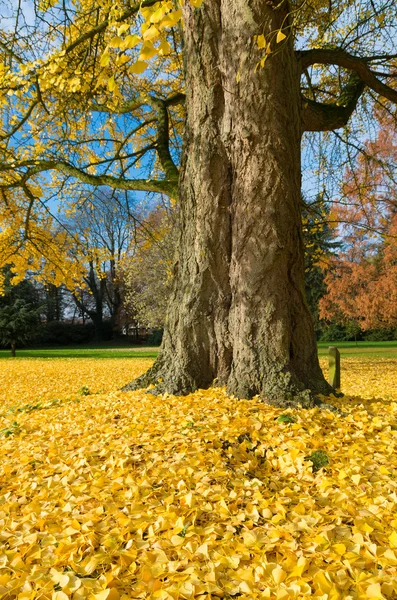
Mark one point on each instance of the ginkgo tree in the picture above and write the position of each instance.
(103, 93)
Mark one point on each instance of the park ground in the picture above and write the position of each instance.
(107, 495)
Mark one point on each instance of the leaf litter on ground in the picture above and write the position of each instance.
(117, 495)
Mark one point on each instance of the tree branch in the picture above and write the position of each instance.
(344, 59)
(163, 140)
(163, 186)
(102, 26)
(21, 122)
(136, 103)
(317, 116)
(163, 137)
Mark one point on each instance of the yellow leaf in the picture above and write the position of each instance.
(171, 19)
(196, 3)
(131, 41)
(280, 36)
(164, 48)
(59, 596)
(374, 591)
(278, 575)
(72, 530)
(203, 549)
(339, 549)
(151, 34)
(187, 500)
(122, 59)
(323, 581)
(383, 470)
(261, 41)
(123, 28)
(391, 557)
(158, 14)
(116, 42)
(300, 566)
(74, 583)
(268, 49)
(245, 588)
(138, 67)
(105, 59)
(102, 595)
(92, 564)
(356, 479)
(393, 539)
(111, 84)
(177, 540)
(249, 538)
(147, 51)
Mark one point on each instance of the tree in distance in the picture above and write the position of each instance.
(19, 314)
(146, 275)
(240, 82)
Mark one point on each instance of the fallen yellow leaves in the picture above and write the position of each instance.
(112, 496)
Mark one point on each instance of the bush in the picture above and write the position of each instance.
(351, 332)
(155, 338)
(334, 333)
(107, 332)
(379, 335)
(64, 334)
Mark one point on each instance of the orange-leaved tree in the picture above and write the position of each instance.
(362, 280)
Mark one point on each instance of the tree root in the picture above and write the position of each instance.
(286, 397)
(151, 377)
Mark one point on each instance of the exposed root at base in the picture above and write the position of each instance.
(305, 398)
(144, 381)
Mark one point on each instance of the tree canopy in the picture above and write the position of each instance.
(93, 94)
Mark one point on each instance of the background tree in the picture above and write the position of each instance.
(146, 273)
(362, 283)
(19, 313)
(320, 245)
(104, 225)
(54, 302)
(256, 77)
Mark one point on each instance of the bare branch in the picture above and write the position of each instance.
(348, 61)
(317, 116)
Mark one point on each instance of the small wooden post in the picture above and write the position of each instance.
(334, 367)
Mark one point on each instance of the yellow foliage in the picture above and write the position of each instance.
(113, 496)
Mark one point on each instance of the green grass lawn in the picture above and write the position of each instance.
(85, 352)
(361, 349)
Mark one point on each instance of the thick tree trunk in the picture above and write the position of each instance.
(238, 314)
(13, 349)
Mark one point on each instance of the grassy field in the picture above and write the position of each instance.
(84, 352)
(361, 349)
(347, 349)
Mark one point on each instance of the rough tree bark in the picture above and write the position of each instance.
(238, 314)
